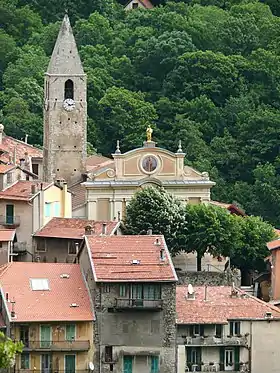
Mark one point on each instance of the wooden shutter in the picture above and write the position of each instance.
(236, 358)
(222, 358)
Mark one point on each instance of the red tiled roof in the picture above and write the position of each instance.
(7, 234)
(8, 146)
(73, 228)
(46, 305)
(229, 206)
(112, 258)
(147, 4)
(21, 190)
(275, 244)
(219, 306)
(6, 167)
(96, 160)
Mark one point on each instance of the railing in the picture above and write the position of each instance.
(215, 341)
(216, 367)
(10, 220)
(57, 345)
(109, 359)
(122, 303)
(51, 370)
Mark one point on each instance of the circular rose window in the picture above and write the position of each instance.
(149, 163)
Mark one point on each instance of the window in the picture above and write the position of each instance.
(57, 209)
(24, 335)
(69, 89)
(154, 364)
(134, 5)
(41, 245)
(39, 284)
(146, 292)
(196, 330)
(70, 332)
(24, 361)
(234, 328)
(107, 288)
(47, 209)
(193, 356)
(72, 247)
(122, 290)
(70, 363)
(9, 177)
(219, 329)
(35, 169)
(10, 214)
(108, 353)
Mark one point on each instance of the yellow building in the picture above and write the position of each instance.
(27, 205)
(51, 315)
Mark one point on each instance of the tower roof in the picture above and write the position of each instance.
(65, 58)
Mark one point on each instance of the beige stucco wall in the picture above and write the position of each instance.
(265, 347)
(55, 194)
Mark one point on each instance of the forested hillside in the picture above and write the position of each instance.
(206, 74)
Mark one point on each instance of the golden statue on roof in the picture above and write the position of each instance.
(149, 132)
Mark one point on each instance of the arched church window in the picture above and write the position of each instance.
(69, 89)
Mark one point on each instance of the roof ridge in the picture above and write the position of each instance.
(274, 308)
(24, 143)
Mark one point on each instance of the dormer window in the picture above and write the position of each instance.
(9, 178)
(69, 89)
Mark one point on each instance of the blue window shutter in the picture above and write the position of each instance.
(47, 209)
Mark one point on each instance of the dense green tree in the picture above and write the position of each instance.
(154, 208)
(8, 351)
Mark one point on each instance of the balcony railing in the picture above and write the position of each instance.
(57, 345)
(50, 370)
(10, 221)
(214, 341)
(216, 367)
(138, 304)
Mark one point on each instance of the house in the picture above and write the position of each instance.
(60, 238)
(20, 153)
(135, 4)
(221, 328)
(7, 240)
(47, 306)
(132, 283)
(27, 205)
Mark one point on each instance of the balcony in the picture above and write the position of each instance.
(138, 304)
(214, 341)
(217, 367)
(56, 346)
(10, 221)
(109, 358)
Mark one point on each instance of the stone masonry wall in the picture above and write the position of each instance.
(225, 278)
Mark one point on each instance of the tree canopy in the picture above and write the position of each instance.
(8, 351)
(207, 72)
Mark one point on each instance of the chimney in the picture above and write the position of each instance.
(149, 232)
(104, 228)
(1, 133)
(26, 138)
(162, 254)
(21, 162)
(33, 189)
(157, 242)
(15, 155)
(27, 162)
(88, 230)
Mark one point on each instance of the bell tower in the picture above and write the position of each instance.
(65, 111)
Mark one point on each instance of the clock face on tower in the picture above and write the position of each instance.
(69, 104)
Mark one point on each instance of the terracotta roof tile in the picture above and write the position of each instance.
(229, 206)
(8, 146)
(6, 167)
(112, 258)
(7, 234)
(21, 190)
(96, 160)
(74, 228)
(47, 305)
(147, 4)
(219, 306)
(275, 244)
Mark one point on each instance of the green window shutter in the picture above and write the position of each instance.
(236, 357)
(201, 330)
(222, 358)
(70, 332)
(24, 361)
(231, 328)
(70, 363)
(154, 364)
(122, 290)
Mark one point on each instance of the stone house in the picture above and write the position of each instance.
(28, 205)
(60, 238)
(51, 314)
(132, 283)
(221, 328)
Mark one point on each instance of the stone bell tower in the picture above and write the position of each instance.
(65, 111)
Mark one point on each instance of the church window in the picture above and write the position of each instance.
(69, 89)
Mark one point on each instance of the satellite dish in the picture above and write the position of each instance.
(190, 289)
(91, 365)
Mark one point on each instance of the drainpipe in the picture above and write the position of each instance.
(250, 346)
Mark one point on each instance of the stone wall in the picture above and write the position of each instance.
(225, 278)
